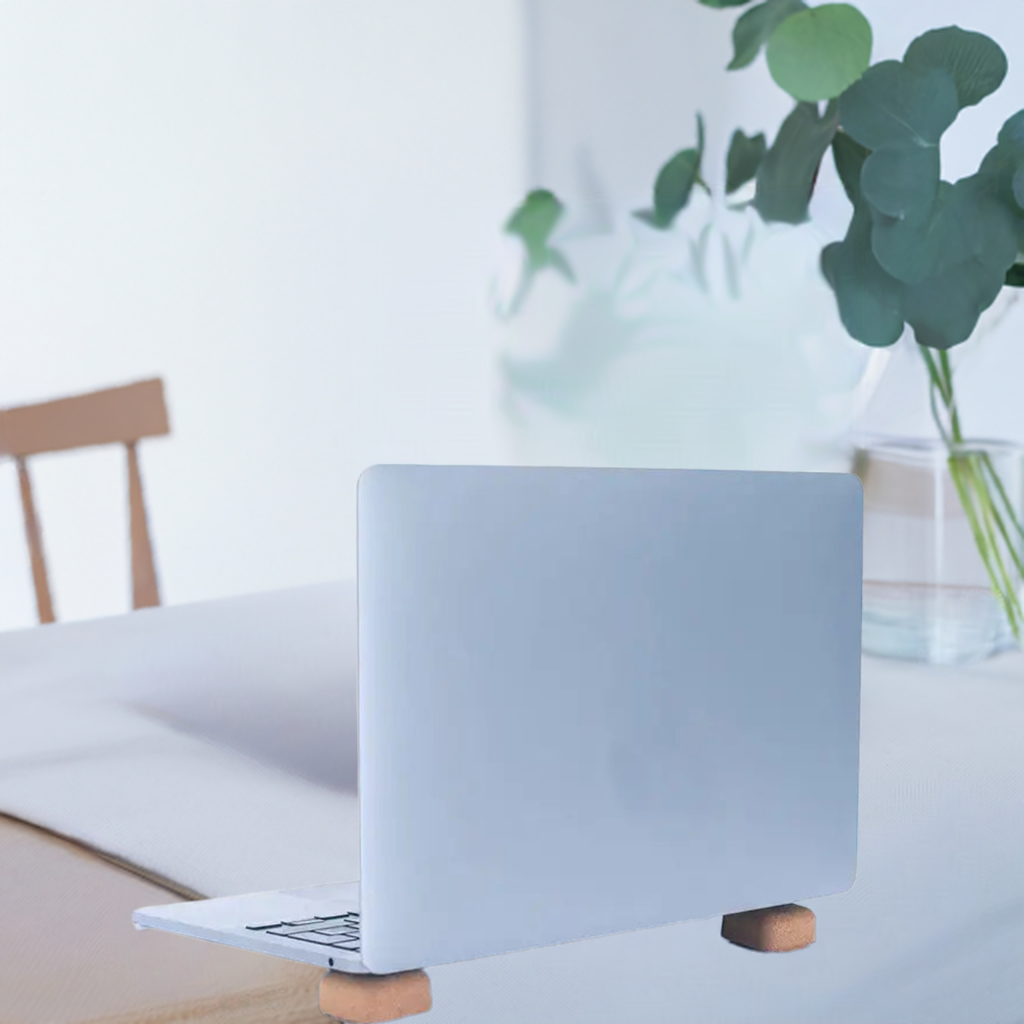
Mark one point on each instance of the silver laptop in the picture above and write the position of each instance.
(590, 701)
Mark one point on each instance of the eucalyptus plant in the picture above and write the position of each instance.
(919, 252)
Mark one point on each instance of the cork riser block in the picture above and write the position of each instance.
(771, 930)
(374, 998)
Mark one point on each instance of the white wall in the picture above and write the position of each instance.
(284, 209)
(289, 211)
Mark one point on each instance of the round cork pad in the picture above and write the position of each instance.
(374, 998)
(771, 930)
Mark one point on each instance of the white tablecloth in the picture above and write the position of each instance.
(212, 744)
(202, 743)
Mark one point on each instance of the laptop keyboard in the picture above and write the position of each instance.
(340, 931)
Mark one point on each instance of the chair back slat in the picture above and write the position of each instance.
(121, 414)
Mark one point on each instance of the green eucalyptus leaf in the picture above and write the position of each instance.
(674, 184)
(894, 104)
(870, 301)
(818, 53)
(724, 3)
(745, 155)
(533, 221)
(967, 241)
(786, 177)
(849, 157)
(981, 227)
(901, 180)
(900, 114)
(910, 249)
(1001, 173)
(755, 27)
(944, 310)
(1012, 133)
(976, 63)
(1015, 276)
(1006, 157)
(944, 250)
(1018, 185)
(966, 247)
(651, 219)
(967, 223)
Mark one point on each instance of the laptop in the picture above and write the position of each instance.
(590, 701)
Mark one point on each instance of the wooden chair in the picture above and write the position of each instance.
(121, 415)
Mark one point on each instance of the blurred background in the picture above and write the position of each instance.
(292, 213)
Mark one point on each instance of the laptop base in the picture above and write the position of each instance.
(314, 925)
(374, 998)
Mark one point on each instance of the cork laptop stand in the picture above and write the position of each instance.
(590, 701)
(373, 999)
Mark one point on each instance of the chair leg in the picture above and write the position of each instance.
(44, 603)
(145, 593)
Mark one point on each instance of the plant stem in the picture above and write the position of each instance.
(986, 462)
(974, 476)
(982, 536)
(993, 523)
(954, 415)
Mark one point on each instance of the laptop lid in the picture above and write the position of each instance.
(593, 701)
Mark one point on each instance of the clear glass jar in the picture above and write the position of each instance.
(927, 594)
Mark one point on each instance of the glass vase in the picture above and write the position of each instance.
(927, 594)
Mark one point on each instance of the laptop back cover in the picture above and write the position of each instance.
(593, 701)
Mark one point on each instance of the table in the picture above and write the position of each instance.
(70, 953)
(932, 930)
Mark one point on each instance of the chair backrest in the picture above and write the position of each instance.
(121, 415)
